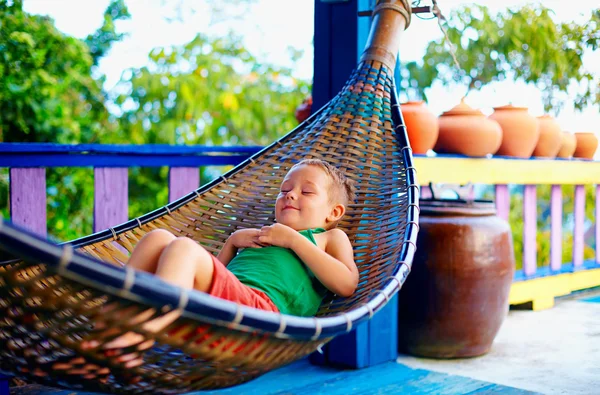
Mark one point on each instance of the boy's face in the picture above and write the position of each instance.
(304, 201)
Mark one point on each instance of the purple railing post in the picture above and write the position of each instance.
(556, 228)
(578, 232)
(529, 230)
(598, 224)
(502, 201)
(110, 197)
(182, 180)
(28, 199)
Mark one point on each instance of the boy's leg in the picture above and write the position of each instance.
(187, 264)
(147, 252)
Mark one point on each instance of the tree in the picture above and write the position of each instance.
(519, 44)
(210, 91)
(47, 92)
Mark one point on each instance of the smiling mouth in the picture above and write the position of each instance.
(290, 208)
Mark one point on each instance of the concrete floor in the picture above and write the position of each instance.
(555, 351)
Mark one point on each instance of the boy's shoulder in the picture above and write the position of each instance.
(335, 234)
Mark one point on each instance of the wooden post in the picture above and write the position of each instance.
(502, 201)
(4, 385)
(110, 197)
(182, 180)
(529, 230)
(556, 228)
(578, 232)
(370, 343)
(28, 199)
(598, 224)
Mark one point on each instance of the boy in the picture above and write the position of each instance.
(286, 267)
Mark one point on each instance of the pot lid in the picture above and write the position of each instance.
(510, 107)
(462, 108)
(468, 208)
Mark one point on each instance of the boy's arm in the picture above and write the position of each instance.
(227, 252)
(334, 267)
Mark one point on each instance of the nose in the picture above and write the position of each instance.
(291, 195)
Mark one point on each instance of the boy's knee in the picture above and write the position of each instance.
(160, 236)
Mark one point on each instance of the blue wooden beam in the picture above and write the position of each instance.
(340, 37)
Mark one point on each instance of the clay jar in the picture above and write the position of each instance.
(550, 138)
(567, 148)
(587, 143)
(520, 131)
(464, 130)
(456, 296)
(421, 125)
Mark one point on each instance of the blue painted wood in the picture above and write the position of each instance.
(124, 148)
(383, 334)
(4, 385)
(546, 271)
(339, 41)
(371, 343)
(122, 160)
(302, 378)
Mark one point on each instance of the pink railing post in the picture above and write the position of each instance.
(28, 199)
(182, 180)
(598, 224)
(556, 228)
(529, 230)
(111, 203)
(502, 201)
(578, 232)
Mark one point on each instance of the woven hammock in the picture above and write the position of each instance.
(54, 297)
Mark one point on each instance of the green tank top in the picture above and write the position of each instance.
(279, 273)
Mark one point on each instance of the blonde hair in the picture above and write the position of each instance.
(342, 188)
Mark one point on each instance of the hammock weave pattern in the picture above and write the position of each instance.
(54, 297)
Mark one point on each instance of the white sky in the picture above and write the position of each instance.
(268, 31)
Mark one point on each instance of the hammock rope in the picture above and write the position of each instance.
(55, 298)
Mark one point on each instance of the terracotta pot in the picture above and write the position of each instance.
(587, 143)
(464, 130)
(520, 131)
(421, 125)
(456, 296)
(567, 148)
(550, 138)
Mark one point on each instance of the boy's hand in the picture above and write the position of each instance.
(246, 238)
(278, 235)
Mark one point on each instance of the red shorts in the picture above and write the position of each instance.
(225, 285)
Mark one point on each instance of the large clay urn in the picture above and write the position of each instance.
(567, 148)
(587, 143)
(550, 139)
(456, 297)
(520, 131)
(464, 130)
(421, 125)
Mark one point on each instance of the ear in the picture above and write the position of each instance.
(336, 213)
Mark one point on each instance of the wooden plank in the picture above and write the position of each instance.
(462, 170)
(182, 180)
(529, 229)
(383, 334)
(28, 199)
(110, 197)
(579, 231)
(350, 350)
(556, 227)
(502, 201)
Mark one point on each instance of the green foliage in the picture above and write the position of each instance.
(100, 42)
(47, 92)
(209, 91)
(519, 44)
